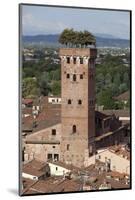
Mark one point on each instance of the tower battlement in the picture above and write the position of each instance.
(91, 52)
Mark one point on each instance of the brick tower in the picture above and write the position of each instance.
(78, 104)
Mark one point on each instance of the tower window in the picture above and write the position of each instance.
(74, 60)
(69, 101)
(81, 60)
(68, 75)
(56, 157)
(74, 128)
(68, 60)
(49, 156)
(53, 131)
(74, 77)
(68, 147)
(81, 76)
(79, 101)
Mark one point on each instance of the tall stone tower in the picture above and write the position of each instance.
(78, 104)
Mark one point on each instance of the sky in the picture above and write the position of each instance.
(52, 20)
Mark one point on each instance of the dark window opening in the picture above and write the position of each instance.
(68, 75)
(79, 101)
(74, 77)
(49, 156)
(56, 168)
(68, 59)
(74, 128)
(68, 147)
(74, 60)
(81, 76)
(69, 101)
(56, 157)
(53, 131)
(81, 60)
(53, 147)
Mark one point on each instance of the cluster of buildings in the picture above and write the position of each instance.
(68, 145)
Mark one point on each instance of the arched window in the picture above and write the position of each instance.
(79, 101)
(74, 60)
(69, 101)
(74, 128)
(81, 76)
(74, 77)
(81, 60)
(68, 60)
(68, 147)
(68, 75)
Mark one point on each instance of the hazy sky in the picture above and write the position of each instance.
(51, 20)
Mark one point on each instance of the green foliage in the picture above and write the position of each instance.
(72, 38)
(128, 104)
(56, 88)
(29, 88)
(112, 79)
(44, 84)
(123, 87)
(105, 98)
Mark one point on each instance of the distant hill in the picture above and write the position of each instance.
(52, 40)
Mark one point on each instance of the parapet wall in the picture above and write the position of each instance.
(90, 52)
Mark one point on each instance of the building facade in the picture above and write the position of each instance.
(78, 104)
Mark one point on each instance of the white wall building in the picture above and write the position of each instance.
(54, 100)
(56, 169)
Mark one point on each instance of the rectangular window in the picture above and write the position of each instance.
(56, 157)
(81, 60)
(68, 147)
(79, 101)
(74, 77)
(68, 60)
(53, 131)
(74, 60)
(49, 156)
(81, 76)
(74, 128)
(68, 75)
(56, 168)
(69, 101)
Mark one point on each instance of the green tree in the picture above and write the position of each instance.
(89, 39)
(116, 79)
(71, 38)
(56, 88)
(29, 88)
(44, 84)
(123, 87)
(125, 78)
(108, 80)
(105, 98)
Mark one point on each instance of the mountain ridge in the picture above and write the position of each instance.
(52, 39)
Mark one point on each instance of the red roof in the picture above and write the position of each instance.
(27, 101)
